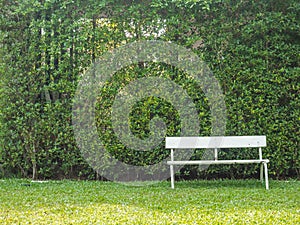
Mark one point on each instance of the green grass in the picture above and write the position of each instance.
(196, 202)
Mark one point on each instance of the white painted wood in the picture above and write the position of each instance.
(216, 154)
(216, 142)
(172, 170)
(215, 162)
(266, 175)
(261, 173)
(260, 153)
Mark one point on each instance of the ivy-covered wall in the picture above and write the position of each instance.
(251, 46)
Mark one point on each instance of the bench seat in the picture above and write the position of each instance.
(215, 162)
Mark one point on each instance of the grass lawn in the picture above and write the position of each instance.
(196, 202)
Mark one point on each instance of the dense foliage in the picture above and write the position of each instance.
(251, 46)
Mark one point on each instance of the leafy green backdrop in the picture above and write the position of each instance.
(251, 46)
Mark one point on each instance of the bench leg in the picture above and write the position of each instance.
(261, 172)
(172, 176)
(266, 176)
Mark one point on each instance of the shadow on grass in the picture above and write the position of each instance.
(217, 184)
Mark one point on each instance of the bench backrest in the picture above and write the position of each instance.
(216, 142)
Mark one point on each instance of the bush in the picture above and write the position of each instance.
(251, 47)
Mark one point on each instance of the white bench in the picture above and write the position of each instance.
(217, 143)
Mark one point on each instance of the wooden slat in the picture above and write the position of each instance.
(209, 162)
(216, 142)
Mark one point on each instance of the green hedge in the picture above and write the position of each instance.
(252, 47)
